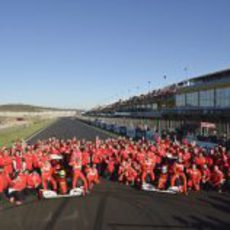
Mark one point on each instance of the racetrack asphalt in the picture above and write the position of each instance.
(114, 206)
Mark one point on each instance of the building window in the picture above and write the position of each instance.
(192, 99)
(223, 97)
(154, 106)
(207, 98)
(180, 100)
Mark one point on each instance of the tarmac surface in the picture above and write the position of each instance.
(114, 206)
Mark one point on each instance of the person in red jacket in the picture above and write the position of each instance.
(148, 170)
(76, 164)
(110, 168)
(47, 176)
(163, 178)
(217, 179)
(17, 188)
(200, 160)
(33, 181)
(17, 161)
(29, 161)
(8, 163)
(85, 158)
(92, 176)
(179, 176)
(62, 182)
(122, 170)
(195, 177)
(4, 183)
(206, 176)
(131, 175)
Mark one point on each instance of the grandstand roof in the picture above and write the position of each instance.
(216, 78)
(217, 74)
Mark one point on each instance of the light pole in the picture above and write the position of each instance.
(138, 89)
(186, 73)
(149, 86)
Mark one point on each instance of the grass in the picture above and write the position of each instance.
(10, 135)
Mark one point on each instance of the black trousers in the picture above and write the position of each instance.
(18, 195)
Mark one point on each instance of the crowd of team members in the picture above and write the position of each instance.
(163, 163)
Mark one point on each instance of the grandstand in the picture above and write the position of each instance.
(201, 104)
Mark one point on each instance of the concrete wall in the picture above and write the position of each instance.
(39, 114)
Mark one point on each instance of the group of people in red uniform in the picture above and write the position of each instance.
(62, 165)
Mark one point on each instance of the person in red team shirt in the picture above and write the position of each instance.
(92, 176)
(217, 178)
(195, 177)
(17, 162)
(17, 188)
(131, 175)
(163, 178)
(8, 163)
(62, 182)
(206, 176)
(186, 156)
(148, 170)
(179, 176)
(33, 181)
(76, 164)
(28, 161)
(4, 183)
(85, 158)
(47, 176)
(110, 168)
(200, 160)
(121, 171)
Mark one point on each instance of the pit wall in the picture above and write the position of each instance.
(223, 127)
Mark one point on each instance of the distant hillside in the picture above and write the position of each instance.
(28, 108)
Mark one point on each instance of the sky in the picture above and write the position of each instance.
(85, 53)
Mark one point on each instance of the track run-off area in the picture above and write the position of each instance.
(114, 206)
